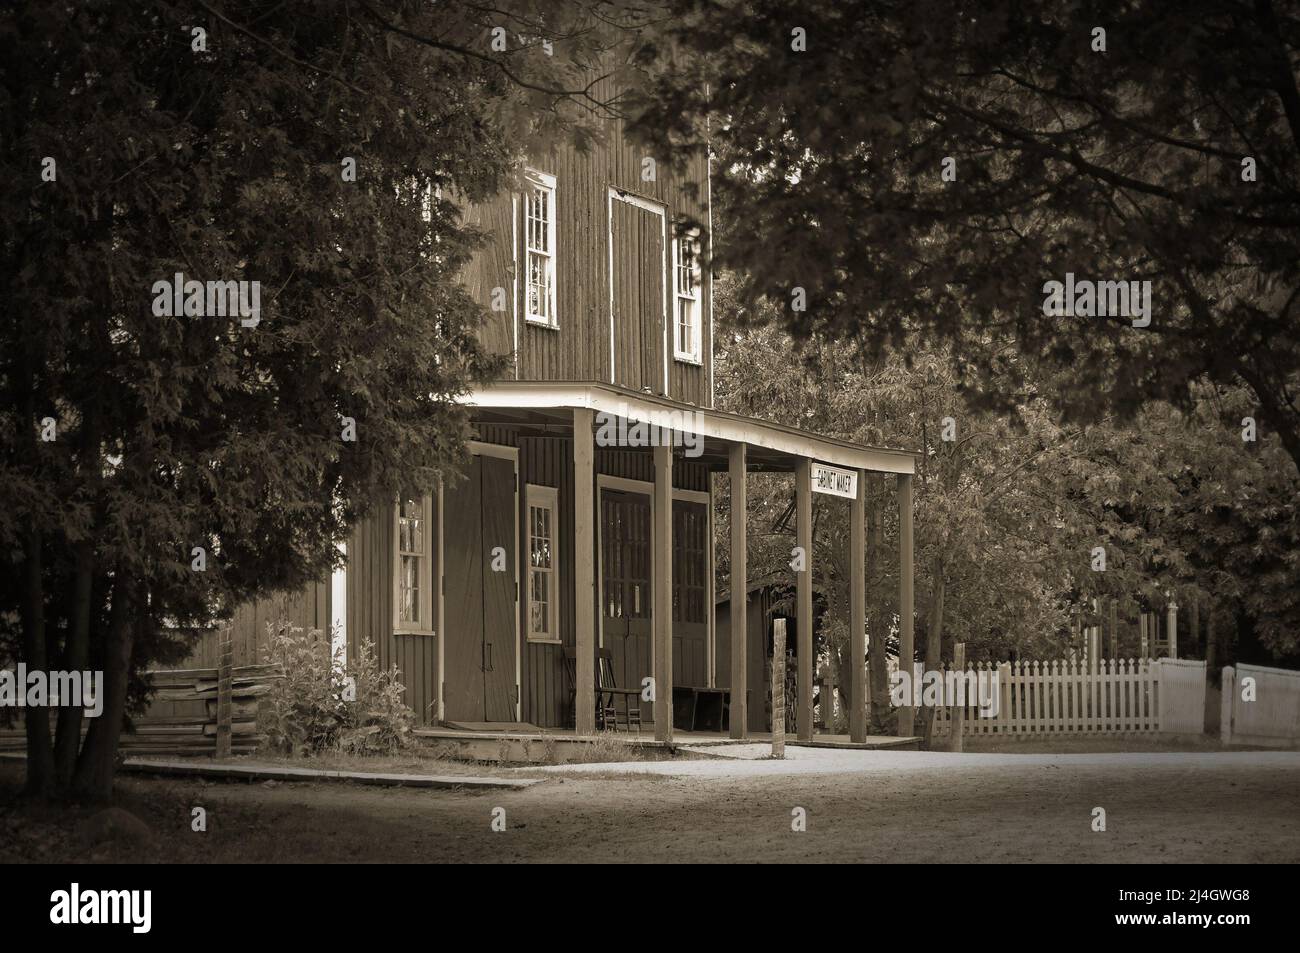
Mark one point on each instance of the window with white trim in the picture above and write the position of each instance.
(687, 312)
(539, 250)
(413, 566)
(543, 564)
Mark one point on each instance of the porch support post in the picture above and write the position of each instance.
(739, 594)
(806, 667)
(906, 646)
(858, 611)
(584, 571)
(661, 585)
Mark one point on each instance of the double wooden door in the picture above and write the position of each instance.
(481, 612)
(626, 560)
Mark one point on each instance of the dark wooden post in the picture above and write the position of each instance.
(858, 612)
(225, 684)
(584, 571)
(1114, 628)
(778, 688)
(805, 669)
(1211, 641)
(906, 645)
(828, 698)
(739, 594)
(1194, 623)
(661, 585)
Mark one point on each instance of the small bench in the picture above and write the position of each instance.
(701, 709)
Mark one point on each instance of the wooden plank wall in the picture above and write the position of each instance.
(579, 349)
(548, 461)
(308, 608)
(492, 266)
(758, 625)
(370, 612)
(544, 687)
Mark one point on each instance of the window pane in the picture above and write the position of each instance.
(409, 589)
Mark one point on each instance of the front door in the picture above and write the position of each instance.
(480, 611)
(625, 585)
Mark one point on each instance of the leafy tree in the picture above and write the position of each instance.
(1012, 507)
(929, 166)
(160, 468)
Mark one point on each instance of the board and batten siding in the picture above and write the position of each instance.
(308, 608)
(758, 625)
(548, 461)
(370, 611)
(579, 348)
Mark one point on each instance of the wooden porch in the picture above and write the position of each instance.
(577, 415)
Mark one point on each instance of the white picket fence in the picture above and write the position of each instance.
(1119, 696)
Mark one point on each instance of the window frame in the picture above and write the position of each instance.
(545, 182)
(423, 624)
(542, 497)
(696, 354)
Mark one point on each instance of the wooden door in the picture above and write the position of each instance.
(637, 293)
(625, 585)
(499, 588)
(480, 610)
(463, 609)
(690, 593)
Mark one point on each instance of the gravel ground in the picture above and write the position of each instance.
(866, 807)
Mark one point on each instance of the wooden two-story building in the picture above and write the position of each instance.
(585, 523)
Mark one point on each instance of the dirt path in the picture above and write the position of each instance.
(1195, 808)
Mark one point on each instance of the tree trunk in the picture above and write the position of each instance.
(1211, 643)
(76, 656)
(40, 755)
(93, 779)
(76, 649)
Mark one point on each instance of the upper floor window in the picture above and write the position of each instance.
(687, 312)
(539, 243)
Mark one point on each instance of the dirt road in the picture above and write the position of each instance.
(938, 808)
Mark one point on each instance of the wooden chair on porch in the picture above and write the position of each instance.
(607, 692)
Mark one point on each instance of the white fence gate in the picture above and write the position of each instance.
(1181, 696)
(1271, 716)
(1070, 697)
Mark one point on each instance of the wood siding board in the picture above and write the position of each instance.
(579, 348)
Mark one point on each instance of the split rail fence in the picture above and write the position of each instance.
(197, 711)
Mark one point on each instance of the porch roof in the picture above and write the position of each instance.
(546, 406)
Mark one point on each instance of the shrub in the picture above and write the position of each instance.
(378, 722)
(324, 705)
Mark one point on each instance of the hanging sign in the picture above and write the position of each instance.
(834, 480)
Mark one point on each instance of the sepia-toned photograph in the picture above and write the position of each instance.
(729, 432)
